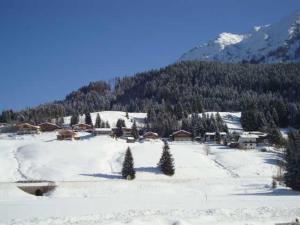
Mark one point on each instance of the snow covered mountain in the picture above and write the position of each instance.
(279, 42)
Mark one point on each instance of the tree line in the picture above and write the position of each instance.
(270, 92)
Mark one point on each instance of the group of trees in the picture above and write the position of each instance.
(174, 92)
(292, 175)
(165, 164)
(88, 120)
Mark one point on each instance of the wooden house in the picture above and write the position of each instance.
(130, 140)
(102, 131)
(150, 135)
(26, 128)
(46, 127)
(82, 127)
(182, 135)
(248, 141)
(65, 134)
(210, 136)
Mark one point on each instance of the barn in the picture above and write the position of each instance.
(66, 134)
(26, 128)
(182, 135)
(150, 135)
(47, 127)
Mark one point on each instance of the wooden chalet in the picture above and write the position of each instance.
(150, 135)
(65, 134)
(210, 136)
(248, 141)
(182, 135)
(82, 127)
(26, 128)
(46, 127)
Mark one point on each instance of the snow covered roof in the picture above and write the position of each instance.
(102, 129)
(210, 133)
(130, 138)
(245, 136)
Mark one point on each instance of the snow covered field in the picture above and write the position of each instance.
(228, 186)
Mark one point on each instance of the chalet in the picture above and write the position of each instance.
(46, 127)
(247, 141)
(82, 127)
(66, 135)
(210, 136)
(127, 132)
(150, 135)
(101, 131)
(262, 137)
(26, 128)
(181, 135)
(130, 140)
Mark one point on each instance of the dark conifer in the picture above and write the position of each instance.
(166, 162)
(134, 131)
(128, 171)
(74, 119)
(98, 121)
(88, 119)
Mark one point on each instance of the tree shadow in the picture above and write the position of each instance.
(275, 192)
(103, 175)
(149, 169)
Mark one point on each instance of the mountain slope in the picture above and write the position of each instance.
(279, 42)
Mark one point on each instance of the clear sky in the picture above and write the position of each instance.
(50, 47)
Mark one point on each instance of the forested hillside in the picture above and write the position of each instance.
(270, 92)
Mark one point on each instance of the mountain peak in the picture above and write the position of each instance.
(279, 42)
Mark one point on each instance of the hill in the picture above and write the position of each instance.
(174, 92)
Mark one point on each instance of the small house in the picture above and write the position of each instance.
(127, 132)
(26, 128)
(150, 135)
(182, 135)
(248, 141)
(66, 135)
(101, 131)
(82, 127)
(47, 127)
(130, 140)
(262, 138)
(210, 136)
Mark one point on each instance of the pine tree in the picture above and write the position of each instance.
(88, 119)
(292, 175)
(107, 124)
(74, 119)
(128, 171)
(98, 121)
(120, 124)
(166, 162)
(126, 115)
(134, 131)
(275, 136)
(218, 137)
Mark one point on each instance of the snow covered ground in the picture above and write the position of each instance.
(228, 186)
(112, 117)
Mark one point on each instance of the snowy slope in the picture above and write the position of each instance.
(279, 42)
(228, 186)
(112, 118)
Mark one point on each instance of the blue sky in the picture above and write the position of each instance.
(50, 47)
